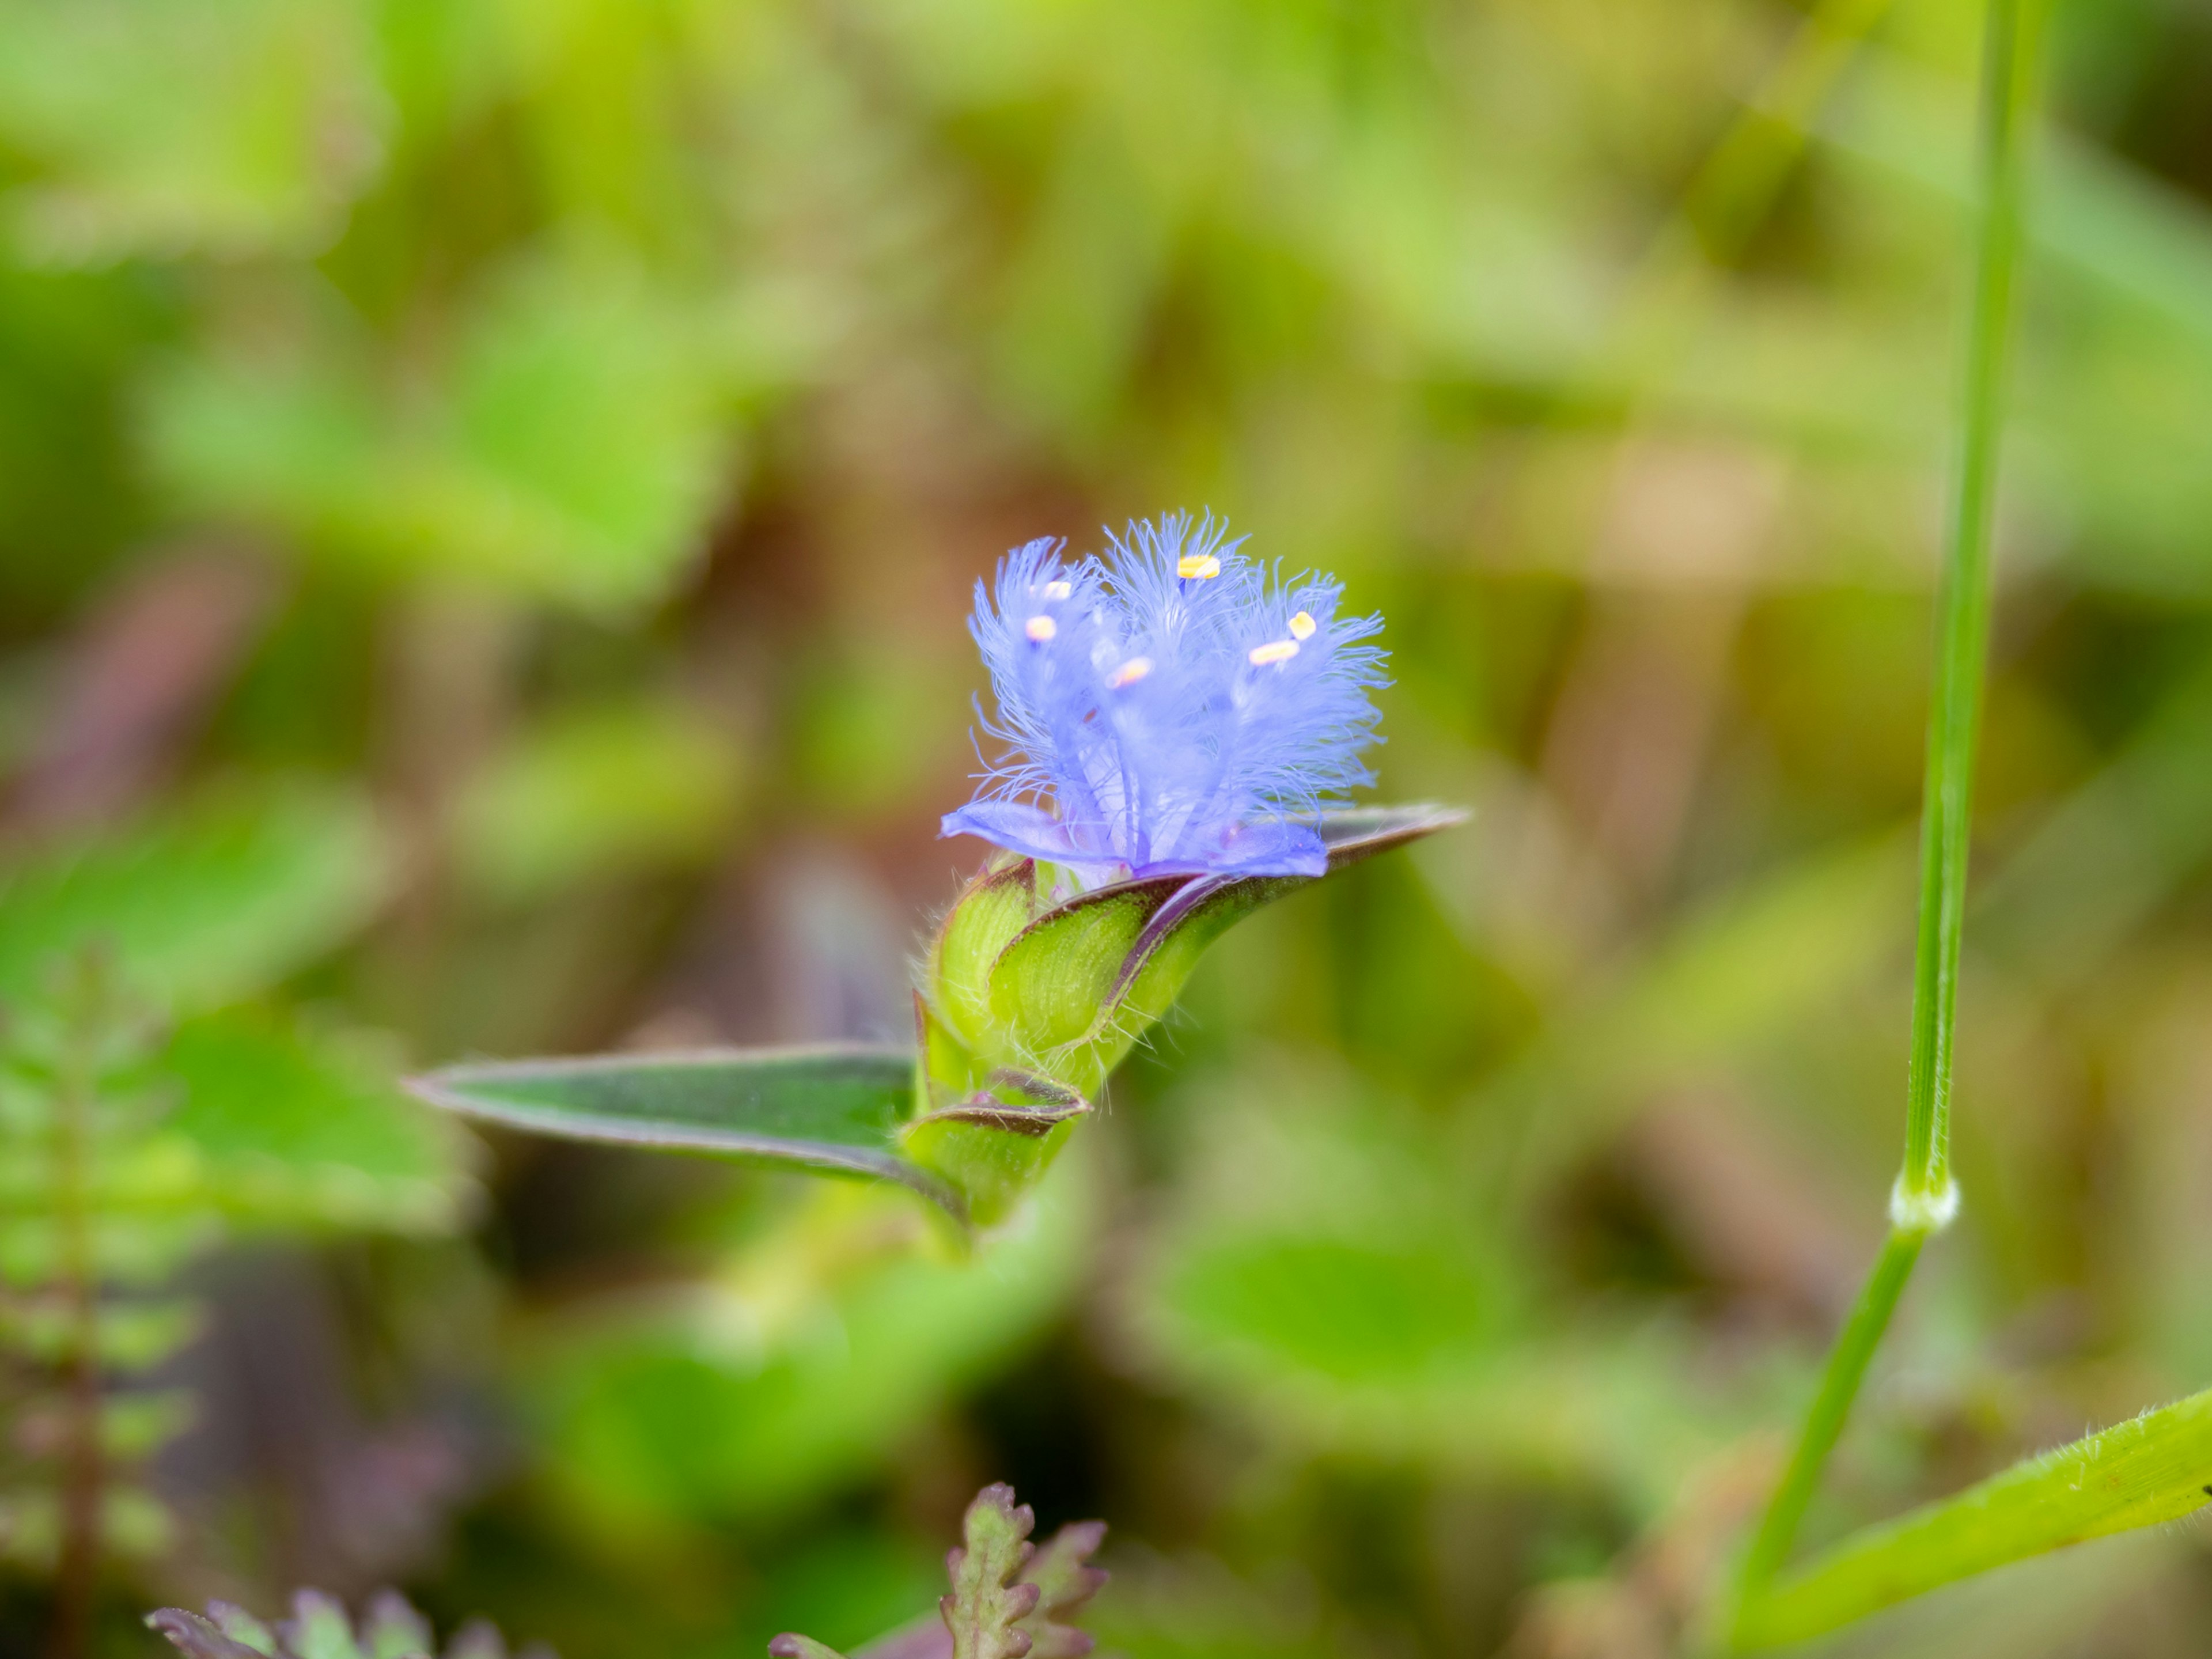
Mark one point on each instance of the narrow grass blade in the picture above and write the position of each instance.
(2157, 1467)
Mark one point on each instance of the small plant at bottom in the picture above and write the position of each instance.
(1010, 1599)
(319, 1629)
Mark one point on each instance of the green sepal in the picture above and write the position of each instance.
(1053, 987)
(948, 1069)
(984, 919)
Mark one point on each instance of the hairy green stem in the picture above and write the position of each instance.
(1926, 1196)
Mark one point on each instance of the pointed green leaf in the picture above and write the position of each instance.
(2156, 1468)
(988, 1601)
(950, 1069)
(836, 1108)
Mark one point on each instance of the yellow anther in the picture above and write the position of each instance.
(1058, 590)
(1198, 567)
(1273, 652)
(1041, 629)
(1303, 625)
(1129, 672)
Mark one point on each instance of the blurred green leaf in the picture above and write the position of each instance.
(202, 903)
(224, 127)
(296, 1127)
(769, 1391)
(1193, 1608)
(1333, 1307)
(1727, 977)
(568, 446)
(2156, 1468)
(603, 789)
(821, 1109)
(1316, 1277)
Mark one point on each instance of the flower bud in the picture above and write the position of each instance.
(1029, 1000)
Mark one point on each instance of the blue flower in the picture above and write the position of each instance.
(1173, 709)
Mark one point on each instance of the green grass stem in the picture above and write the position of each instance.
(1926, 1197)
(1964, 602)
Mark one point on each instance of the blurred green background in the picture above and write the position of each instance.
(488, 496)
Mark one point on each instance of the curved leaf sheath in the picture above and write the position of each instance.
(1076, 987)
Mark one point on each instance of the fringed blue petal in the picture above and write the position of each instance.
(1171, 704)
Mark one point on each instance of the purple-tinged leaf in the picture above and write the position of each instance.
(319, 1629)
(989, 1600)
(1065, 1581)
(790, 1645)
(197, 1639)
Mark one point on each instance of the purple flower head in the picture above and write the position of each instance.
(1172, 708)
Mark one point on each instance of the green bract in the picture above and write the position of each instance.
(1027, 1003)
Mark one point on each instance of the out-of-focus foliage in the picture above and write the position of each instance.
(489, 496)
(128, 1152)
(200, 906)
(748, 1395)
